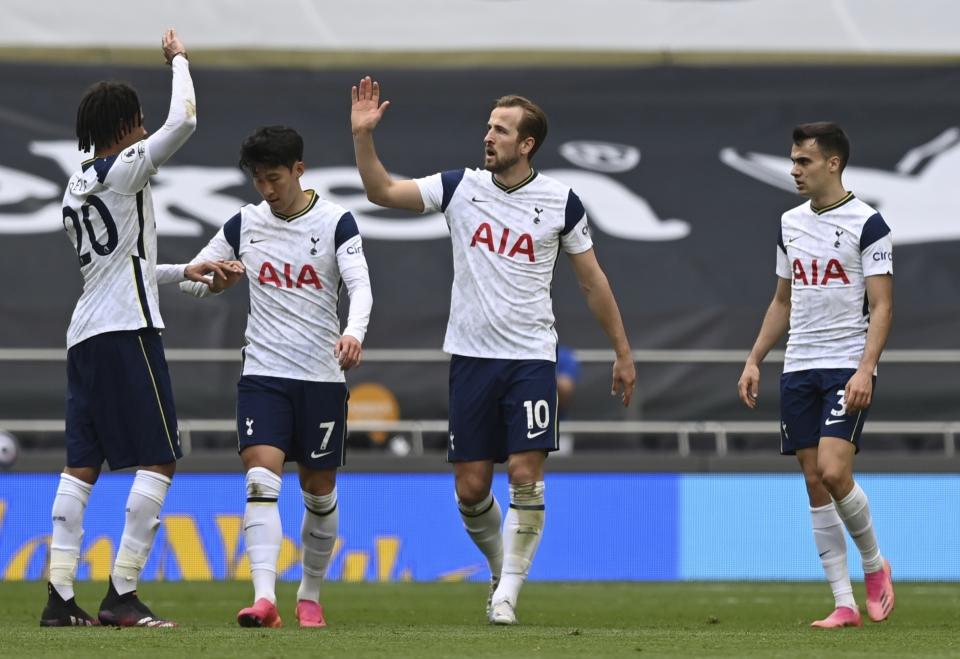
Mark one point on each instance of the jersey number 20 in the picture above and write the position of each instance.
(100, 248)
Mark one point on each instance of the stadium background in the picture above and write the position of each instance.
(670, 119)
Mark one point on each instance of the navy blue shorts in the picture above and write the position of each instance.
(812, 406)
(306, 420)
(120, 402)
(501, 406)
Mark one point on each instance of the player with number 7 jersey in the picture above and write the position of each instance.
(297, 250)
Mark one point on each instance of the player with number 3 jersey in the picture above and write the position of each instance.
(835, 295)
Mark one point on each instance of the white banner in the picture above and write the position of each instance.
(896, 27)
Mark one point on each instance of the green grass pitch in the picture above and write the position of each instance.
(446, 620)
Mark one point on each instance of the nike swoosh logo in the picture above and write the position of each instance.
(830, 422)
(316, 455)
(479, 201)
(259, 240)
(824, 553)
(533, 435)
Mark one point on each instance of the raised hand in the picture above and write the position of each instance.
(172, 46)
(366, 110)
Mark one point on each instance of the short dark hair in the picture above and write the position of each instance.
(534, 121)
(107, 110)
(271, 146)
(829, 137)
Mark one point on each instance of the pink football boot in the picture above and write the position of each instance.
(310, 614)
(263, 613)
(879, 592)
(842, 616)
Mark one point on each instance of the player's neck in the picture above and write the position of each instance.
(299, 203)
(829, 196)
(515, 175)
(128, 139)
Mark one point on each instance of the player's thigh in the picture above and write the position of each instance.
(264, 413)
(83, 447)
(835, 419)
(529, 407)
(131, 399)
(800, 406)
(476, 429)
(320, 425)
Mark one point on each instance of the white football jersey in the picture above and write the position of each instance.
(108, 216)
(294, 267)
(827, 253)
(505, 248)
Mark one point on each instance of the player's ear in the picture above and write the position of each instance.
(526, 145)
(298, 168)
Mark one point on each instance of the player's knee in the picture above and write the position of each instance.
(811, 478)
(88, 475)
(471, 490)
(835, 479)
(318, 483)
(168, 469)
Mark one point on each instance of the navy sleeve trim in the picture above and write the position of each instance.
(783, 248)
(574, 213)
(102, 166)
(873, 230)
(346, 229)
(451, 179)
(231, 231)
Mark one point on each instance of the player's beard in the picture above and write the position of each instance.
(502, 163)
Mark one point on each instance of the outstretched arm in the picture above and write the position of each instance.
(182, 116)
(774, 326)
(218, 252)
(600, 300)
(366, 112)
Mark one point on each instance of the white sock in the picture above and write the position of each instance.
(68, 507)
(521, 537)
(482, 522)
(321, 519)
(832, 547)
(143, 519)
(262, 531)
(854, 510)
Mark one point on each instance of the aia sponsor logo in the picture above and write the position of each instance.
(519, 247)
(283, 277)
(811, 274)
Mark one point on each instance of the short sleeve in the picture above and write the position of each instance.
(348, 243)
(876, 247)
(127, 172)
(346, 229)
(437, 190)
(575, 235)
(784, 271)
